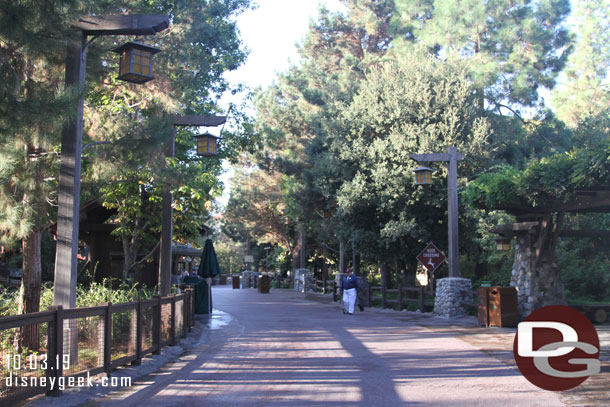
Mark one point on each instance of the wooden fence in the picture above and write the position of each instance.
(404, 295)
(38, 349)
(326, 286)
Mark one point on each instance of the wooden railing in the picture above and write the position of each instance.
(326, 286)
(402, 296)
(43, 347)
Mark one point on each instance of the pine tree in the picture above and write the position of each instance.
(514, 47)
(32, 106)
(584, 92)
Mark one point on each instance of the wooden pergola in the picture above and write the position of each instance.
(537, 231)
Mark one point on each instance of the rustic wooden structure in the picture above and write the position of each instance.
(451, 158)
(152, 325)
(537, 231)
(68, 200)
(105, 252)
(164, 275)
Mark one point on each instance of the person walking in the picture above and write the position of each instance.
(350, 288)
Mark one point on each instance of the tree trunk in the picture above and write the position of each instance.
(355, 261)
(385, 279)
(535, 272)
(341, 257)
(303, 247)
(129, 254)
(29, 293)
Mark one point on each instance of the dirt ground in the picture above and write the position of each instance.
(498, 343)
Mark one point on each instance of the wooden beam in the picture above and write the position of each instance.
(207, 120)
(122, 25)
(434, 157)
(585, 233)
(599, 202)
(583, 203)
(511, 228)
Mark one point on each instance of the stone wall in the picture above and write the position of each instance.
(304, 281)
(537, 285)
(453, 297)
(249, 279)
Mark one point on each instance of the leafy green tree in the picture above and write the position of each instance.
(257, 209)
(414, 104)
(201, 45)
(293, 114)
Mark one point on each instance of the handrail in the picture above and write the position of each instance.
(56, 319)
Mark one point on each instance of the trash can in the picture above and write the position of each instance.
(235, 280)
(264, 284)
(203, 302)
(503, 307)
(223, 279)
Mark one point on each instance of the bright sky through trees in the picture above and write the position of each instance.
(271, 32)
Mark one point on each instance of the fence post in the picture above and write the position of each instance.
(400, 295)
(107, 337)
(139, 316)
(55, 349)
(422, 299)
(156, 331)
(185, 321)
(190, 309)
(384, 295)
(193, 306)
(173, 324)
(334, 291)
(370, 294)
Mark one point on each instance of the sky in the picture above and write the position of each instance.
(270, 32)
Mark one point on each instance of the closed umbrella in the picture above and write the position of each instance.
(209, 268)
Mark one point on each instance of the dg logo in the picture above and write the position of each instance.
(556, 348)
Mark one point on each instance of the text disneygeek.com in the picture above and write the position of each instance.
(22, 368)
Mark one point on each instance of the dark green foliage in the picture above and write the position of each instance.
(556, 177)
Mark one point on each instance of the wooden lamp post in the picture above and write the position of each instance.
(72, 140)
(167, 225)
(451, 158)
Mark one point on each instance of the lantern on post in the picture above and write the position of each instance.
(503, 244)
(136, 62)
(207, 144)
(423, 176)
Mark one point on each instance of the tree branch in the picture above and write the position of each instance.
(145, 257)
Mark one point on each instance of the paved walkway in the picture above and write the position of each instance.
(287, 349)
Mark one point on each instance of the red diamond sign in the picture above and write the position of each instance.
(431, 257)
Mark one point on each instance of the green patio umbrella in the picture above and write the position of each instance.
(209, 268)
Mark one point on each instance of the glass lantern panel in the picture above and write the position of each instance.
(211, 145)
(423, 177)
(141, 62)
(125, 63)
(201, 145)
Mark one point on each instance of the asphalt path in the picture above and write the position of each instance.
(282, 350)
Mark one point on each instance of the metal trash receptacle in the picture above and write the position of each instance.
(223, 280)
(264, 284)
(503, 310)
(235, 280)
